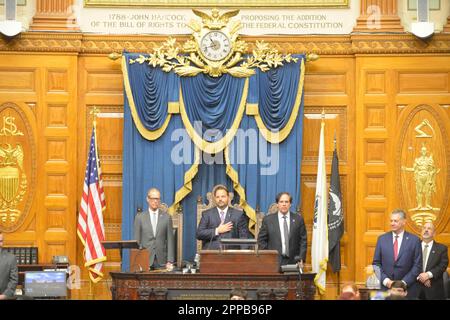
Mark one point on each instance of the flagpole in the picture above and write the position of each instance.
(94, 112)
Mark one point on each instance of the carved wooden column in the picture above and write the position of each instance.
(447, 26)
(378, 16)
(56, 15)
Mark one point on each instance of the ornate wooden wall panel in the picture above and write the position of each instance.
(329, 87)
(101, 87)
(43, 87)
(389, 91)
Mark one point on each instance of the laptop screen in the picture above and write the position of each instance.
(45, 284)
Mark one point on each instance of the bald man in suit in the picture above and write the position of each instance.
(435, 262)
(153, 229)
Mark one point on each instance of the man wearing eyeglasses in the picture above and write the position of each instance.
(153, 229)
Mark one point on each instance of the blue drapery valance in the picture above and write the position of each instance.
(277, 95)
(152, 90)
(212, 102)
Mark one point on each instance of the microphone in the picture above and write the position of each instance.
(299, 291)
(299, 262)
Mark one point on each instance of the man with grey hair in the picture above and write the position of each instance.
(153, 229)
(435, 261)
(8, 273)
(399, 256)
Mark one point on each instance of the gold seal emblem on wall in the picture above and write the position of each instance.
(17, 155)
(13, 183)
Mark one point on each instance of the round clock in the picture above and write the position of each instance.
(215, 45)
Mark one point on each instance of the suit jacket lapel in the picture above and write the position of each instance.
(216, 216)
(158, 223)
(276, 225)
(391, 245)
(292, 224)
(405, 242)
(228, 216)
(431, 256)
(148, 222)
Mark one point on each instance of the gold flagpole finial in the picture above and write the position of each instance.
(94, 112)
(323, 114)
(334, 140)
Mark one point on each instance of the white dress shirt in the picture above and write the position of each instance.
(225, 211)
(153, 219)
(281, 223)
(430, 245)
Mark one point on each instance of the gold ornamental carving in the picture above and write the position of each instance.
(17, 165)
(420, 127)
(9, 127)
(425, 172)
(322, 45)
(214, 49)
(423, 157)
(13, 183)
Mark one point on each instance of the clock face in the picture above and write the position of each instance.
(215, 45)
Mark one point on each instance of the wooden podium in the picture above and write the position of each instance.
(239, 262)
(121, 244)
(139, 260)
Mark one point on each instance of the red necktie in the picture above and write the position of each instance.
(395, 248)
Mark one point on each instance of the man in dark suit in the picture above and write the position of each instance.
(435, 261)
(285, 232)
(398, 255)
(221, 222)
(153, 229)
(9, 275)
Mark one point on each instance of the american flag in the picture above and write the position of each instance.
(90, 220)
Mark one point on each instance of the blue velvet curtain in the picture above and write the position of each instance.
(207, 177)
(268, 168)
(263, 168)
(213, 102)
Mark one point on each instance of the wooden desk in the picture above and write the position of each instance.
(168, 286)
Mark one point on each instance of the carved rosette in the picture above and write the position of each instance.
(17, 165)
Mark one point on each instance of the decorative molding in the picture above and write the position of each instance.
(111, 158)
(323, 45)
(43, 42)
(399, 44)
(111, 177)
(113, 227)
